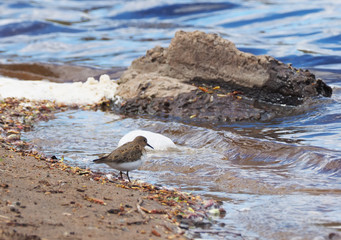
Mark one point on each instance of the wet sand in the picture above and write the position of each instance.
(43, 198)
(54, 72)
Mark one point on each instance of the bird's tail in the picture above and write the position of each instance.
(99, 160)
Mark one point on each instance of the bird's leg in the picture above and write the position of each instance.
(128, 176)
(121, 175)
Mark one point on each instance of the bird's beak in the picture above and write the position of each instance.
(149, 146)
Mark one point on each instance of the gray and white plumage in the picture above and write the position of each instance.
(126, 157)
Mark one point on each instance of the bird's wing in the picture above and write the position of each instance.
(113, 156)
(125, 152)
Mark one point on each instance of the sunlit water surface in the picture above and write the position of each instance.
(111, 33)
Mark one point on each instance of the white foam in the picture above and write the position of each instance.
(156, 140)
(91, 91)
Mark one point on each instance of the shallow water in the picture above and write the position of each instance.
(278, 179)
(251, 174)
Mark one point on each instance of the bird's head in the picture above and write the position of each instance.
(143, 141)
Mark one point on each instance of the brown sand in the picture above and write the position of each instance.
(39, 201)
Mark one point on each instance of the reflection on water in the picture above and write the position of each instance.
(249, 174)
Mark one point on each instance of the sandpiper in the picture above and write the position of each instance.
(126, 157)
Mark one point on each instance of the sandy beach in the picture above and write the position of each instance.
(40, 201)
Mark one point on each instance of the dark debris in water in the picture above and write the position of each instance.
(21, 114)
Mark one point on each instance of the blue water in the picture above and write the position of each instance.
(278, 179)
(113, 33)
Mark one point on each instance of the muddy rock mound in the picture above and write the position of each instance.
(205, 77)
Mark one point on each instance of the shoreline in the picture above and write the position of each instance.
(43, 198)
